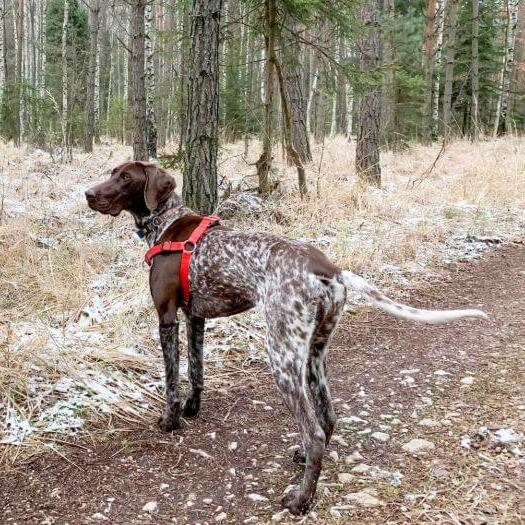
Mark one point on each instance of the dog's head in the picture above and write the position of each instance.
(138, 187)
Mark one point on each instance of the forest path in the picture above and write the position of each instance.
(405, 381)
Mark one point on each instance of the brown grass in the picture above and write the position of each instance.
(74, 297)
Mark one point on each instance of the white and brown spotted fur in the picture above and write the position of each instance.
(299, 291)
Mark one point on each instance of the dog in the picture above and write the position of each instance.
(299, 291)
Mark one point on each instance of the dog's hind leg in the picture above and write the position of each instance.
(195, 330)
(317, 382)
(288, 348)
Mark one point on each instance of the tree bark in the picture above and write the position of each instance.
(200, 155)
(94, 11)
(367, 147)
(19, 76)
(474, 111)
(137, 80)
(264, 163)
(429, 45)
(151, 124)
(389, 87)
(65, 82)
(500, 122)
(293, 87)
(451, 23)
(341, 106)
(441, 4)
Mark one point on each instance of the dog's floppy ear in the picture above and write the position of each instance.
(159, 184)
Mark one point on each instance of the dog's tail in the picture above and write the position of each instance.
(377, 299)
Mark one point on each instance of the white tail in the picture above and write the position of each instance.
(376, 298)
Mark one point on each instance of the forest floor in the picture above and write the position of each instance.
(81, 375)
(460, 387)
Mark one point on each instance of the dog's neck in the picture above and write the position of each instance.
(153, 224)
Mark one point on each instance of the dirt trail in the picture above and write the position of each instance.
(405, 381)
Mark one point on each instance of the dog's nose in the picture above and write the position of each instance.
(90, 194)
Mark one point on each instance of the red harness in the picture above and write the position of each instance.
(186, 247)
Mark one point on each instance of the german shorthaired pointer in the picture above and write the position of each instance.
(299, 291)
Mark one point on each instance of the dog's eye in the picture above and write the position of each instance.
(125, 176)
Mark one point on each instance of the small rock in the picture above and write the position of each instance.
(334, 455)
(279, 516)
(467, 381)
(221, 517)
(350, 420)
(364, 499)
(98, 516)
(150, 506)
(418, 446)
(233, 446)
(345, 477)
(207, 501)
(429, 423)
(362, 468)
(339, 439)
(353, 458)
(380, 436)
(257, 497)
(442, 373)
(164, 486)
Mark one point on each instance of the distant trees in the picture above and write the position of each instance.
(290, 73)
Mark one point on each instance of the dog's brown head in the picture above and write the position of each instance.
(139, 187)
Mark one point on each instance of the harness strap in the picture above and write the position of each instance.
(187, 248)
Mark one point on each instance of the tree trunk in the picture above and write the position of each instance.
(264, 163)
(137, 80)
(429, 44)
(451, 23)
(293, 86)
(441, 4)
(500, 122)
(151, 125)
(474, 112)
(10, 124)
(19, 77)
(341, 106)
(200, 155)
(367, 148)
(94, 10)
(65, 83)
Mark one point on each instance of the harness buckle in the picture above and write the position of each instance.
(189, 246)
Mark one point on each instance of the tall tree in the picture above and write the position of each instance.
(19, 78)
(151, 125)
(474, 75)
(10, 122)
(388, 110)
(500, 122)
(94, 12)
(65, 82)
(137, 80)
(429, 44)
(293, 84)
(200, 155)
(451, 17)
(367, 163)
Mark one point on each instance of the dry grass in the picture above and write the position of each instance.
(76, 326)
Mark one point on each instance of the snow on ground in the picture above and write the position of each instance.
(78, 332)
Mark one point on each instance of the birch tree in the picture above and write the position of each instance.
(474, 110)
(500, 121)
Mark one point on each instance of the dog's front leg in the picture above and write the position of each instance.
(195, 328)
(169, 340)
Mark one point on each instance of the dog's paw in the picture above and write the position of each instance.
(190, 407)
(168, 422)
(299, 456)
(296, 502)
